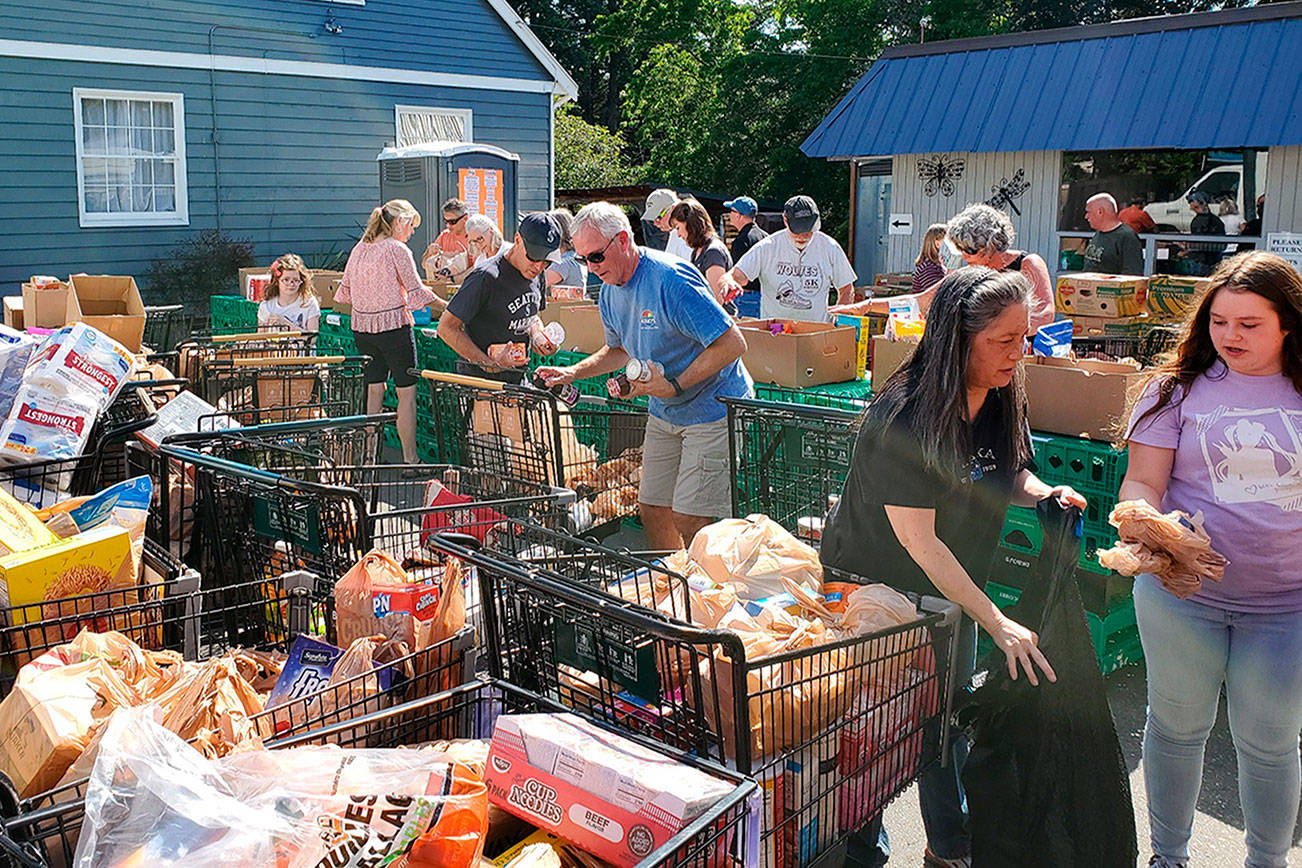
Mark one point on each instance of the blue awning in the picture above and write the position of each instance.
(1211, 80)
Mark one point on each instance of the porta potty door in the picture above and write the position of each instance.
(484, 177)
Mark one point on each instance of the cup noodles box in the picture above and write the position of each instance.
(1171, 296)
(617, 800)
(1091, 294)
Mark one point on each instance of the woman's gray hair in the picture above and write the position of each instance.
(980, 227)
(480, 223)
(608, 219)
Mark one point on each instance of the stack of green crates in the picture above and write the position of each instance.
(851, 395)
(230, 314)
(335, 335)
(1096, 471)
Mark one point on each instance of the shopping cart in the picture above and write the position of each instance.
(43, 832)
(260, 388)
(189, 357)
(165, 327)
(1147, 349)
(787, 460)
(248, 504)
(527, 433)
(836, 730)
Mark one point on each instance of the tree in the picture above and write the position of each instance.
(589, 155)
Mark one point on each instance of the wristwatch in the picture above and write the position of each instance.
(678, 390)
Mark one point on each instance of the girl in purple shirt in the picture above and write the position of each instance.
(1219, 430)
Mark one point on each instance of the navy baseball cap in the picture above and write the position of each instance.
(801, 213)
(743, 205)
(542, 237)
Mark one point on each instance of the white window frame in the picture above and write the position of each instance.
(181, 215)
(467, 116)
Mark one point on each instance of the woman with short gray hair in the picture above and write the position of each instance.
(985, 235)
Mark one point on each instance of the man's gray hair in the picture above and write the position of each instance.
(981, 227)
(1103, 197)
(608, 219)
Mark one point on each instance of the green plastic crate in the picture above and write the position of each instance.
(1021, 531)
(391, 438)
(432, 354)
(1088, 466)
(1115, 635)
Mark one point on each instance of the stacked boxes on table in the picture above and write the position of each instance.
(1095, 470)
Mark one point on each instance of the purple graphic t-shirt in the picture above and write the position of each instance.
(1238, 458)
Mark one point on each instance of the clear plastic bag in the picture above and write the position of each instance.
(153, 800)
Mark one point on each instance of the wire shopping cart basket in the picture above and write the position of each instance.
(43, 832)
(787, 460)
(593, 448)
(257, 389)
(836, 730)
(193, 353)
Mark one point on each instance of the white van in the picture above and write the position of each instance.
(1217, 183)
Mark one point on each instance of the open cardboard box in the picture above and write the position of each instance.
(1079, 398)
(811, 354)
(51, 306)
(888, 356)
(581, 320)
(253, 281)
(13, 305)
(111, 304)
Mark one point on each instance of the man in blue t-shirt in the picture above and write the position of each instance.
(655, 307)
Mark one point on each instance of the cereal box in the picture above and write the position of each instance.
(92, 562)
(1110, 295)
(615, 799)
(20, 529)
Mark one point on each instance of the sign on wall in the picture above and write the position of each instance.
(901, 224)
(481, 190)
(1287, 245)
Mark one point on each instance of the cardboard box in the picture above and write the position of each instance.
(612, 797)
(112, 305)
(1172, 297)
(581, 320)
(14, 312)
(51, 306)
(1089, 294)
(252, 282)
(1111, 327)
(865, 329)
(811, 354)
(887, 357)
(1079, 398)
(324, 283)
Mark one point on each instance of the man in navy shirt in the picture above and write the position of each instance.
(655, 307)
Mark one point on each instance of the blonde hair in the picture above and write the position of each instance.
(290, 262)
(382, 219)
(931, 244)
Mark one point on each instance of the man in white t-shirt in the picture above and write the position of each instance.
(658, 205)
(797, 267)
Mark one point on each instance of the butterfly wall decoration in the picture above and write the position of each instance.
(939, 172)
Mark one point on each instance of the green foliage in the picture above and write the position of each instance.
(589, 155)
(197, 268)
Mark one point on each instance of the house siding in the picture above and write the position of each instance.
(295, 156)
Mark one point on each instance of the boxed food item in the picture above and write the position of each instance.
(1172, 296)
(865, 329)
(253, 281)
(581, 320)
(1082, 398)
(1111, 327)
(187, 413)
(14, 311)
(20, 529)
(92, 562)
(559, 292)
(112, 305)
(1090, 294)
(612, 797)
(887, 357)
(799, 354)
(48, 303)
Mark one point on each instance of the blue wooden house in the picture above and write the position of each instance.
(129, 126)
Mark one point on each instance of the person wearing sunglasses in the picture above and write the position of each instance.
(498, 304)
(448, 256)
(484, 237)
(656, 307)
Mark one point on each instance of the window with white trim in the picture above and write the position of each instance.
(130, 158)
(421, 125)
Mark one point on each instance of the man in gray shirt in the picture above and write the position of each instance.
(1115, 248)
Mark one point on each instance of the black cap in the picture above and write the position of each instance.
(541, 236)
(802, 214)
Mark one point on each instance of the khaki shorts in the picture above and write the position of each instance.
(686, 467)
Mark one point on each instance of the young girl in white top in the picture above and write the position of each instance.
(290, 301)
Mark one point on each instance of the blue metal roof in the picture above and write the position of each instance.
(1211, 80)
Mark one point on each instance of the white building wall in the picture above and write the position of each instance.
(1283, 210)
(982, 173)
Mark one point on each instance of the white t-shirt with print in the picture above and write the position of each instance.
(298, 312)
(794, 284)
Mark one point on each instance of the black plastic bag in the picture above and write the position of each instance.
(1046, 781)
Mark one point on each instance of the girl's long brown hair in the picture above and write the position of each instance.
(1258, 272)
(290, 262)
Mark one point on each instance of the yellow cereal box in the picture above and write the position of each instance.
(93, 562)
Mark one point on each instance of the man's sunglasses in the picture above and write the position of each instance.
(455, 220)
(598, 257)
